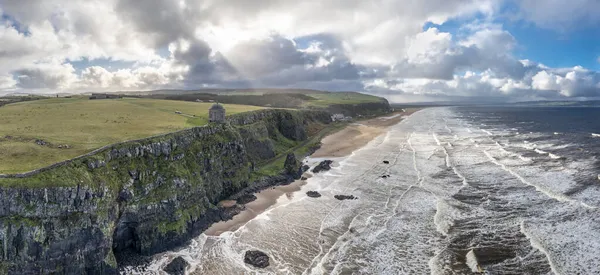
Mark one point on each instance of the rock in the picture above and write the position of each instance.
(305, 178)
(386, 162)
(345, 197)
(177, 266)
(385, 176)
(323, 166)
(246, 199)
(41, 142)
(256, 258)
(292, 166)
(313, 194)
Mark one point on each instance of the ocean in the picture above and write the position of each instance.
(497, 190)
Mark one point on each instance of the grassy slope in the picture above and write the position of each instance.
(326, 99)
(280, 99)
(85, 125)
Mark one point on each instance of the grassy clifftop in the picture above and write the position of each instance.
(143, 196)
(38, 133)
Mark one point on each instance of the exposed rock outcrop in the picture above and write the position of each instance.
(256, 258)
(345, 197)
(177, 266)
(313, 194)
(246, 198)
(292, 166)
(322, 166)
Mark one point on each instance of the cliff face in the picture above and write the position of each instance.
(142, 196)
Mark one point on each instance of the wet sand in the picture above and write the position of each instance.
(264, 200)
(339, 144)
(357, 135)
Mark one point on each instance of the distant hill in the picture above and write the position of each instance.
(565, 103)
(221, 91)
(279, 98)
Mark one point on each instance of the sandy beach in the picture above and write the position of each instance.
(357, 135)
(338, 144)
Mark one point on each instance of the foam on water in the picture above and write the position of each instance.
(451, 191)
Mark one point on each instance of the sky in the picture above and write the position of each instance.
(404, 50)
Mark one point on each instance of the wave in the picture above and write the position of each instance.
(541, 189)
(535, 243)
(595, 135)
(524, 158)
(553, 156)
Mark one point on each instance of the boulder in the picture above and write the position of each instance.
(177, 266)
(313, 194)
(323, 166)
(386, 162)
(256, 258)
(303, 178)
(246, 198)
(345, 197)
(385, 176)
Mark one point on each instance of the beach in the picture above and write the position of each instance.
(445, 191)
(339, 144)
(358, 134)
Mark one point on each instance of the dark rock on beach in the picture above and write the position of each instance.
(385, 176)
(303, 178)
(323, 166)
(386, 162)
(177, 266)
(313, 194)
(256, 258)
(292, 166)
(246, 198)
(345, 197)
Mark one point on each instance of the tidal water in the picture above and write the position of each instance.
(492, 190)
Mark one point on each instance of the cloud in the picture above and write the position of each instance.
(378, 46)
(574, 83)
(7, 82)
(46, 76)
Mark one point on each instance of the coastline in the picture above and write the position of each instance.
(338, 144)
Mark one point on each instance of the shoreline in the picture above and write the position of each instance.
(354, 136)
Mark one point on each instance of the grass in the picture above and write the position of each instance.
(326, 99)
(275, 166)
(85, 125)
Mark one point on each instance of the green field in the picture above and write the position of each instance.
(326, 99)
(79, 125)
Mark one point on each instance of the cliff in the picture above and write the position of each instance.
(142, 197)
(361, 109)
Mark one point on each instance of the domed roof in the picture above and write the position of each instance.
(217, 106)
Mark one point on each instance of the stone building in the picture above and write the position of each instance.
(216, 113)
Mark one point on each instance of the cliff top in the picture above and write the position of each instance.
(38, 133)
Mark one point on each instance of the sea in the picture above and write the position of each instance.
(467, 190)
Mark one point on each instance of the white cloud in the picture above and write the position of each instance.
(7, 82)
(344, 45)
(46, 76)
